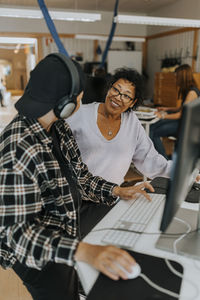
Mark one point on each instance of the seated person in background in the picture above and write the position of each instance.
(110, 136)
(95, 89)
(96, 86)
(168, 125)
(2, 91)
(40, 202)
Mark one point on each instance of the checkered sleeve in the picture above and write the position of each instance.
(22, 227)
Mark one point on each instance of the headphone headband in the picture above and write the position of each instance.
(67, 104)
(73, 72)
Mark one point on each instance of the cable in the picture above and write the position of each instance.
(112, 32)
(51, 27)
(167, 235)
(159, 288)
(183, 235)
(173, 270)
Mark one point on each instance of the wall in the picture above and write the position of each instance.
(171, 45)
(168, 46)
(86, 47)
(189, 9)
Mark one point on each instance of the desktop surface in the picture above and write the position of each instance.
(108, 289)
(145, 244)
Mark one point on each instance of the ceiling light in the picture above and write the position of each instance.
(145, 20)
(17, 40)
(75, 16)
(56, 15)
(104, 38)
(20, 13)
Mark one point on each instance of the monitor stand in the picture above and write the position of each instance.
(189, 245)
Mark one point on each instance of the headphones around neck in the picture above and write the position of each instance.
(66, 105)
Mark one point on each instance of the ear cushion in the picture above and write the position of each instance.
(67, 110)
(67, 104)
(65, 107)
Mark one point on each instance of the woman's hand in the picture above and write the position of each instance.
(131, 192)
(105, 259)
(162, 108)
(160, 114)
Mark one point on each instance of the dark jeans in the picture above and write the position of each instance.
(53, 282)
(59, 281)
(163, 128)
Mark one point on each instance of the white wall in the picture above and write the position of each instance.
(170, 45)
(189, 9)
(130, 59)
(86, 47)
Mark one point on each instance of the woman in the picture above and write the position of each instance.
(168, 125)
(110, 136)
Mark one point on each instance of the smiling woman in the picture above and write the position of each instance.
(110, 136)
(120, 97)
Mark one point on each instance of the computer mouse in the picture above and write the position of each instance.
(196, 186)
(136, 270)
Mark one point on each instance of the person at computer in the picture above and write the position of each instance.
(110, 136)
(39, 201)
(169, 116)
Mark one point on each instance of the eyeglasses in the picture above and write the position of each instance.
(124, 97)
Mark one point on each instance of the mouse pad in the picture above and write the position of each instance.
(160, 185)
(153, 267)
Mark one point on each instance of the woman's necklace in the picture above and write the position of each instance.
(110, 132)
(109, 127)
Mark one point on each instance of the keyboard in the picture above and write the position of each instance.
(135, 218)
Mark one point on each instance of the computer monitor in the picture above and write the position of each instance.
(186, 166)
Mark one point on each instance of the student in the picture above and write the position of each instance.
(169, 116)
(110, 136)
(39, 202)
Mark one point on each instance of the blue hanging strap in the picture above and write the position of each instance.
(112, 31)
(51, 27)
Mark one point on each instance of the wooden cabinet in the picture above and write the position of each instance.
(165, 89)
(197, 79)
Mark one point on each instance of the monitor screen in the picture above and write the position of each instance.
(185, 161)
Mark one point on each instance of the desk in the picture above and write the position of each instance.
(147, 123)
(145, 244)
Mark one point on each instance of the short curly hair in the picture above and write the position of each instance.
(135, 78)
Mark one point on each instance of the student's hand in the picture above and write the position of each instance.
(105, 259)
(131, 192)
(198, 178)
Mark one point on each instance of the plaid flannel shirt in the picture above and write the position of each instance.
(37, 213)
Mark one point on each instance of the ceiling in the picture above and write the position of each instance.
(133, 6)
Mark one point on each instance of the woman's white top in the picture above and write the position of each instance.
(111, 159)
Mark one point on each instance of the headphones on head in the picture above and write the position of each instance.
(66, 105)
